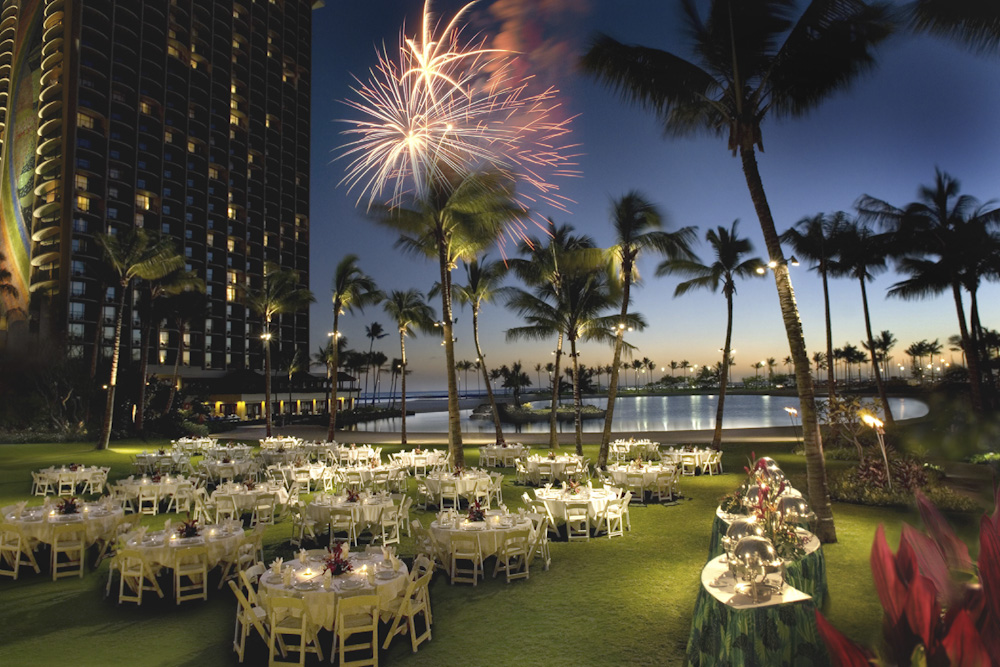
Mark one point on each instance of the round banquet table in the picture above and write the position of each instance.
(505, 456)
(78, 476)
(307, 583)
(490, 533)
(367, 473)
(558, 466)
(630, 449)
(234, 452)
(221, 541)
(555, 500)
(728, 629)
(174, 460)
(284, 456)
(354, 455)
(278, 442)
(36, 523)
(465, 483)
(193, 445)
(166, 486)
(698, 456)
(246, 499)
(226, 470)
(365, 511)
(619, 472)
(426, 458)
(315, 471)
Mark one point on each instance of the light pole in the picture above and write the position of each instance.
(876, 423)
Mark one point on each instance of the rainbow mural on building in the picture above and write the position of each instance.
(17, 163)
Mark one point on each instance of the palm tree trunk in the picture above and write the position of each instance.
(96, 352)
(109, 408)
(889, 422)
(267, 384)
(330, 431)
(143, 366)
(177, 367)
(819, 494)
(454, 419)
(717, 436)
(553, 439)
(609, 414)
(577, 399)
(831, 378)
(402, 383)
(482, 367)
(972, 353)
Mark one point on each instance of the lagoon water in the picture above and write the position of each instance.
(645, 413)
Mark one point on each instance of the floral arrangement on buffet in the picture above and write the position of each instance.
(476, 512)
(337, 563)
(188, 528)
(68, 506)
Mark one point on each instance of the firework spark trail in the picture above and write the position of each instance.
(444, 105)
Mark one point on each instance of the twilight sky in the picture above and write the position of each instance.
(928, 104)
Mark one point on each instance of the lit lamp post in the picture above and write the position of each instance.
(876, 423)
(792, 414)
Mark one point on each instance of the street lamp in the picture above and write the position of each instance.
(876, 423)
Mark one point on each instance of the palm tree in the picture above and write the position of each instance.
(861, 255)
(946, 241)
(407, 310)
(280, 293)
(185, 307)
(458, 220)
(731, 262)
(324, 357)
(673, 368)
(638, 228)
(756, 370)
(812, 239)
(820, 359)
(754, 61)
(515, 379)
(132, 255)
(377, 360)
(787, 362)
(972, 23)
(152, 293)
(483, 280)
(7, 291)
(351, 289)
(772, 363)
(297, 363)
(544, 268)
(373, 332)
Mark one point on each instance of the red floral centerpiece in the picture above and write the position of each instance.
(552, 456)
(250, 484)
(156, 477)
(336, 563)
(161, 452)
(68, 506)
(226, 459)
(572, 487)
(476, 512)
(458, 472)
(418, 451)
(188, 528)
(352, 496)
(74, 467)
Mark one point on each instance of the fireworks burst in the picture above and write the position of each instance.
(448, 105)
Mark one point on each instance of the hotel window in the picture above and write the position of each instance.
(81, 182)
(213, 172)
(76, 288)
(83, 120)
(231, 245)
(145, 107)
(168, 136)
(76, 268)
(232, 213)
(75, 331)
(142, 202)
(75, 310)
(79, 225)
(192, 147)
(113, 193)
(114, 173)
(186, 358)
(164, 338)
(210, 239)
(82, 204)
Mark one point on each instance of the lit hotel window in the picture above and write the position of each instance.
(142, 201)
(82, 204)
(83, 120)
(81, 182)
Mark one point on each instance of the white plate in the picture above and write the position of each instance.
(306, 586)
(385, 574)
(350, 585)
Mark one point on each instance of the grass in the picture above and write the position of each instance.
(622, 601)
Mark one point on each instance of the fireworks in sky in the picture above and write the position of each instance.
(449, 105)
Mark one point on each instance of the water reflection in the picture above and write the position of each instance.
(643, 413)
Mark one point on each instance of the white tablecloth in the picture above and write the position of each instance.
(721, 585)
(676, 456)
(426, 457)
(79, 476)
(354, 455)
(279, 441)
(221, 542)
(234, 452)
(555, 500)
(246, 499)
(364, 512)
(321, 602)
(465, 483)
(226, 470)
(193, 444)
(505, 456)
(535, 464)
(490, 536)
(98, 522)
(630, 449)
(650, 471)
(166, 486)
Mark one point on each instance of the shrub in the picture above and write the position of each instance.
(865, 484)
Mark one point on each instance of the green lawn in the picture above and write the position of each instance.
(622, 601)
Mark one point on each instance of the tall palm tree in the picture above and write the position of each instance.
(373, 332)
(638, 227)
(280, 293)
(483, 280)
(458, 220)
(324, 357)
(731, 262)
(821, 361)
(133, 255)
(351, 289)
(184, 307)
(787, 362)
(544, 267)
(409, 312)
(861, 255)
(377, 361)
(297, 363)
(772, 363)
(152, 310)
(947, 241)
(812, 239)
(755, 61)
